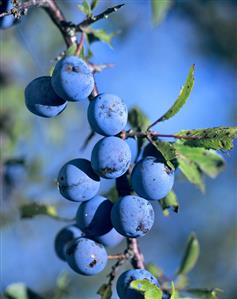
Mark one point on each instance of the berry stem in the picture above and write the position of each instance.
(120, 256)
(137, 259)
(80, 44)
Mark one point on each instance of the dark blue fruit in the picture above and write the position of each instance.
(132, 216)
(72, 79)
(86, 257)
(132, 143)
(107, 114)
(63, 237)
(111, 157)
(41, 99)
(77, 180)
(7, 21)
(152, 179)
(93, 218)
(124, 280)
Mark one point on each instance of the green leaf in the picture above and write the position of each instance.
(181, 282)
(20, 291)
(63, 281)
(101, 35)
(160, 9)
(182, 98)
(205, 293)
(208, 161)
(170, 201)
(51, 69)
(33, 209)
(105, 291)
(71, 50)
(191, 171)
(147, 288)
(174, 295)
(94, 4)
(191, 255)
(167, 150)
(85, 8)
(62, 287)
(137, 119)
(154, 270)
(219, 138)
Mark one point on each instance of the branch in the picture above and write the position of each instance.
(92, 19)
(151, 134)
(55, 13)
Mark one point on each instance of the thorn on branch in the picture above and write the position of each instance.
(92, 19)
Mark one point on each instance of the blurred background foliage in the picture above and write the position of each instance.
(152, 53)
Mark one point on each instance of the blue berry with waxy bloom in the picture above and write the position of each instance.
(41, 99)
(110, 157)
(93, 218)
(132, 216)
(63, 237)
(86, 256)
(152, 179)
(7, 21)
(72, 79)
(107, 114)
(132, 143)
(77, 181)
(123, 283)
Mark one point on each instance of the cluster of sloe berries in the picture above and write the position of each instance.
(99, 222)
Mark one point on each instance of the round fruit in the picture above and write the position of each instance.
(107, 114)
(93, 216)
(132, 143)
(111, 157)
(72, 79)
(7, 21)
(63, 237)
(77, 180)
(152, 179)
(132, 216)
(41, 99)
(124, 280)
(86, 257)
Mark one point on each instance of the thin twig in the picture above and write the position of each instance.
(137, 260)
(120, 256)
(55, 13)
(92, 19)
(151, 134)
(80, 44)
